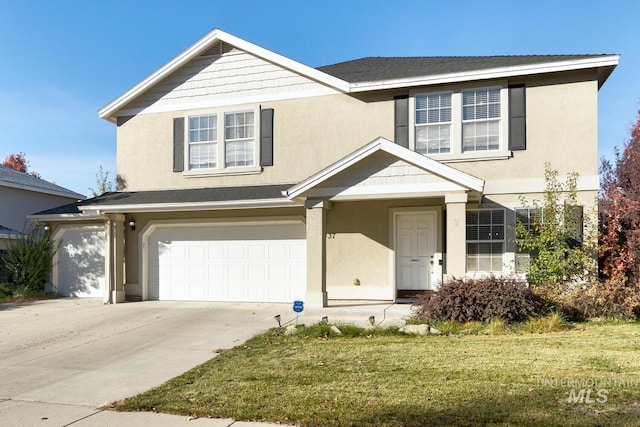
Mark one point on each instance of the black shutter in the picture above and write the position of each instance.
(178, 144)
(401, 133)
(266, 137)
(517, 118)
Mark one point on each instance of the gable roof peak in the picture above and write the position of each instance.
(109, 111)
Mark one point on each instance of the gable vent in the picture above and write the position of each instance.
(218, 49)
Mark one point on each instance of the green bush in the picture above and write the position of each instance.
(5, 290)
(26, 264)
(480, 300)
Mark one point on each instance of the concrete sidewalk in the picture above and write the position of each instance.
(61, 359)
(27, 414)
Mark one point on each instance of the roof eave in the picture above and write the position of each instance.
(68, 194)
(605, 63)
(66, 217)
(190, 206)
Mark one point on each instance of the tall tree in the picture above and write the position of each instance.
(619, 212)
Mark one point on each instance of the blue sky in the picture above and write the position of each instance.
(61, 61)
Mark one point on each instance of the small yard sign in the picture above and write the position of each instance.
(298, 306)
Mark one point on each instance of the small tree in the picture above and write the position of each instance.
(619, 213)
(103, 183)
(560, 252)
(19, 162)
(27, 263)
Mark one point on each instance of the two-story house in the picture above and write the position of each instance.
(248, 176)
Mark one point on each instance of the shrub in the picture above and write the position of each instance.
(606, 299)
(480, 300)
(5, 290)
(26, 264)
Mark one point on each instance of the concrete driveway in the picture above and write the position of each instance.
(60, 359)
(81, 353)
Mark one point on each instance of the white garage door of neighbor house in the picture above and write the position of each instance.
(251, 263)
(80, 263)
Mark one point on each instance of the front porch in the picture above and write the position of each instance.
(383, 220)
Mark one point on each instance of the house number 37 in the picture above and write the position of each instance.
(331, 236)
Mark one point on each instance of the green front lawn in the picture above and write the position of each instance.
(512, 379)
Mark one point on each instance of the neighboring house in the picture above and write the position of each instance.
(247, 176)
(22, 194)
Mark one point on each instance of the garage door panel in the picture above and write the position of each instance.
(221, 263)
(80, 263)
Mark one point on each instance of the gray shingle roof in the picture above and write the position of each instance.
(4, 230)
(193, 195)
(391, 68)
(13, 178)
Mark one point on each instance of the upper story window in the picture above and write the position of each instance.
(239, 139)
(481, 119)
(460, 124)
(237, 134)
(203, 142)
(433, 123)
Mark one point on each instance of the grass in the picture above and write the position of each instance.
(491, 377)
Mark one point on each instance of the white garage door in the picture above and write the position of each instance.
(256, 263)
(80, 262)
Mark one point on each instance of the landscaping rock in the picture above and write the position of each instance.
(290, 330)
(415, 329)
(335, 330)
(434, 331)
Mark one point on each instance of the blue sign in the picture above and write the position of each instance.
(298, 306)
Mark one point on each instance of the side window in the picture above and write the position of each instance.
(485, 240)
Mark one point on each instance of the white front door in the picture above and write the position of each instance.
(415, 247)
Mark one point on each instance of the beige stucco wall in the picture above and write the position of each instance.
(562, 129)
(309, 134)
(312, 133)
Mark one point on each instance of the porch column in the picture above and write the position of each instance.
(114, 260)
(316, 295)
(456, 234)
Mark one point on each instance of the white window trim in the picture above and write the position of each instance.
(221, 168)
(456, 154)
